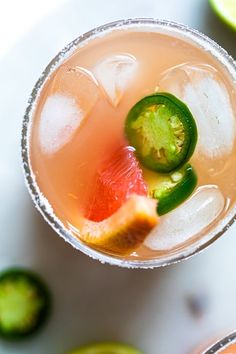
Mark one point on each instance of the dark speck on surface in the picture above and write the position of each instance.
(198, 304)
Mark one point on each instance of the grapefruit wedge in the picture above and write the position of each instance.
(117, 179)
(124, 230)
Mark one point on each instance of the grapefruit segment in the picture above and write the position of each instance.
(125, 230)
(117, 179)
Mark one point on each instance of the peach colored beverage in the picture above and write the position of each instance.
(225, 345)
(80, 116)
(231, 349)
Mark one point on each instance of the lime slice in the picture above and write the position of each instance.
(24, 303)
(226, 10)
(106, 348)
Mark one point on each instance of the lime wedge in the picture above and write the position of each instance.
(226, 10)
(106, 348)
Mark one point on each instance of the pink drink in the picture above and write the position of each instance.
(79, 120)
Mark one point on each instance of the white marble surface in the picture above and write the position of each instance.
(95, 301)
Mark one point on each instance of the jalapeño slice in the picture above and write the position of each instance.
(170, 189)
(24, 303)
(162, 130)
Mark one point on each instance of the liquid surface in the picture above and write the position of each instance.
(229, 350)
(79, 123)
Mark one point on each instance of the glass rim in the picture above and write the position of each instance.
(41, 202)
(221, 344)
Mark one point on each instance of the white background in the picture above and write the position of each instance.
(93, 301)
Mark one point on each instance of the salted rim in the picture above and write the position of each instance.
(42, 204)
(221, 344)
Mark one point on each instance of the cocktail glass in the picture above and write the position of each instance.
(41, 203)
(226, 345)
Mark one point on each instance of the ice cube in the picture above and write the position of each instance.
(203, 90)
(114, 74)
(76, 82)
(60, 117)
(73, 92)
(188, 219)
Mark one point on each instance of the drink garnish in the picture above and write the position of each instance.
(119, 214)
(125, 230)
(118, 177)
(171, 189)
(24, 303)
(163, 132)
